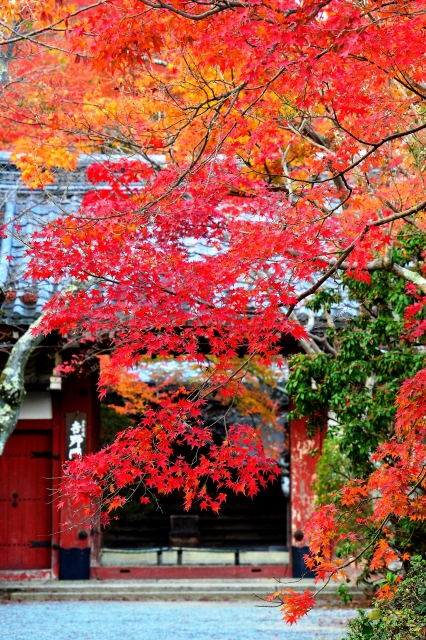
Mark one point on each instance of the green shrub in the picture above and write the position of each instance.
(403, 617)
(112, 423)
(332, 470)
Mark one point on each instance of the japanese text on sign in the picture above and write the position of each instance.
(76, 434)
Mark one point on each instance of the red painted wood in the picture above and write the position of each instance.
(31, 519)
(57, 472)
(186, 572)
(303, 473)
(36, 574)
(79, 395)
(34, 425)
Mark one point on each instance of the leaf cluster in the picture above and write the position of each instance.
(355, 390)
(403, 617)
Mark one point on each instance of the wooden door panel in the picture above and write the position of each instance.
(25, 501)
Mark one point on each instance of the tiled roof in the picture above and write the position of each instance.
(24, 210)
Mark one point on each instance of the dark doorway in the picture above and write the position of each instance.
(242, 523)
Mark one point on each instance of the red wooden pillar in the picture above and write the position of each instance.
(56, 476)
(304, 454)
(79, 417)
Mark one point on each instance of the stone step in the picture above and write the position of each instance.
(213, 589)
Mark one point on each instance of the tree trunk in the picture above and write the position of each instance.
(12, 389)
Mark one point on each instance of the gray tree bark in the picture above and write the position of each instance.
(6, 55)
(12, 390)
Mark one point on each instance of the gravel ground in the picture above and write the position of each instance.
(163, 621)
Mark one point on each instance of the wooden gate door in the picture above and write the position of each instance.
(25, 501)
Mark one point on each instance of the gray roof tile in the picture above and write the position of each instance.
(24, 210)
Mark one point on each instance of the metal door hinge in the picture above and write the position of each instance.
(41, 454)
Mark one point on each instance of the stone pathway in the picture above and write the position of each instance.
(112, 620)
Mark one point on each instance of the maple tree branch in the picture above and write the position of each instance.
(49, 27)
(379, 264)
(378, 223)
(194, 16)
(29, 38)
(232, 376)
(324, 342)
(307, 344)
(411, 276)
(418, 483)
(374, 146)
(309, 347)
(312, 137)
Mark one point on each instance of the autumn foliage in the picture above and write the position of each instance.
(268, 148)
